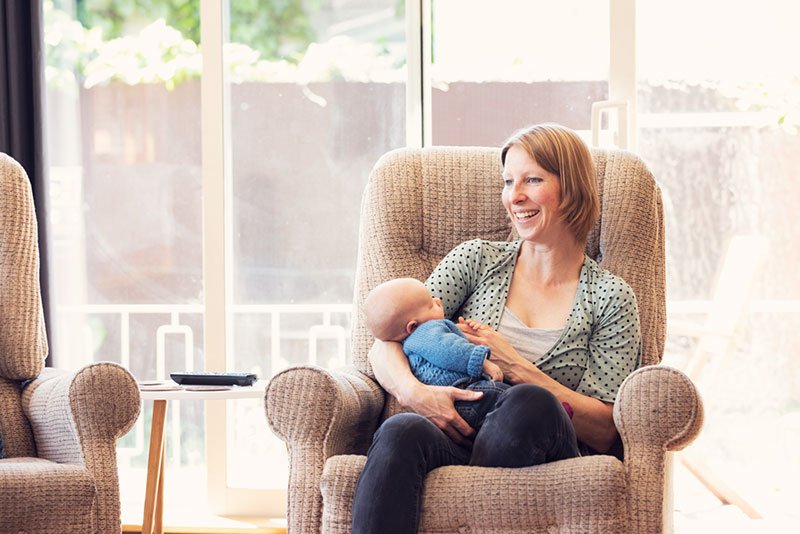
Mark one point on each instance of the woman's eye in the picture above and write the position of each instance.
(507, 182)
(534, 180)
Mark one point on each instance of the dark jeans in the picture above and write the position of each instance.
(528, 426)
(474, 412)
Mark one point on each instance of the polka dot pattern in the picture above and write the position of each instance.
(601, 342)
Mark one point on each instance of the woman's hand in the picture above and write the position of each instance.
(503, 355)
(435, 403)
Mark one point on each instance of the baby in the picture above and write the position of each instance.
(438, 353)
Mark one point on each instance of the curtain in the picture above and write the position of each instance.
(22, 113)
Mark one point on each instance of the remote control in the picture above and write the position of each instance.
(207, 378)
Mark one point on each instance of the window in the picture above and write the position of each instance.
(497, 67)
(718, 127)
(220, 185)
(306, 125)
(313, 94)
(123, 134)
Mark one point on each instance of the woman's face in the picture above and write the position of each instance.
(531, 196)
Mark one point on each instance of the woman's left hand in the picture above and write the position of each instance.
(503, 354)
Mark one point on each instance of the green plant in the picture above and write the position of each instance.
(153, 51)
(276, 28)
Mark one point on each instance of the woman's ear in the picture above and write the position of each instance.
(411, 326)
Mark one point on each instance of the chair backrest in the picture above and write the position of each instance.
(23, 344)
(420, 203)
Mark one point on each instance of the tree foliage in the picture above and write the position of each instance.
(276, 28)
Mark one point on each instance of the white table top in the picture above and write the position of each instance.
(235, 392)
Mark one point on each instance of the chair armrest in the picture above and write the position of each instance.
(658, 409)
(77, 417)
(70, 413)
(319, 414)
(340, 409)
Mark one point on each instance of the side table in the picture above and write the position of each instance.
(152, 521)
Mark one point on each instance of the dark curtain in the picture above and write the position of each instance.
(21, 111)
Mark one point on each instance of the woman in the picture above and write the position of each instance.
(563, 331)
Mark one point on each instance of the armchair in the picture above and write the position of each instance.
(58, 469)
(418, 204)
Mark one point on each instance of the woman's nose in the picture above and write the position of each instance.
(517, 192)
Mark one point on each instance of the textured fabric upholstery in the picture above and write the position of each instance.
(23, 345)
(59, 429)
(418, 204)
(35, 491)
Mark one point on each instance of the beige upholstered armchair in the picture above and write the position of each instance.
(58, 430)
(419, 204)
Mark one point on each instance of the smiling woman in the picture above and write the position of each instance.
(544, 281)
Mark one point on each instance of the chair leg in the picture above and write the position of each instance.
(715, 485)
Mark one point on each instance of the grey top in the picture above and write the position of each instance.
(601, 341)
(531, 343)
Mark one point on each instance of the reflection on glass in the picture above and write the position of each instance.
(503, 65)
(720, 117)
(314, 102)
(123, 149)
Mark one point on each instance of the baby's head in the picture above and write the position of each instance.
(395, 308)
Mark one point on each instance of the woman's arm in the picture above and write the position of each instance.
(593, 419)
(433, 402)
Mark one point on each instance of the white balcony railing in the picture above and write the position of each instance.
(77, 320)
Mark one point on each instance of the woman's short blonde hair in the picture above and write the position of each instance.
(561, 151)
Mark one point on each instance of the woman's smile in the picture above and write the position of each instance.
(524, 216)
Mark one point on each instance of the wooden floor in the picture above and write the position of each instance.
(200, 524)
(255, 529)
(193, 530)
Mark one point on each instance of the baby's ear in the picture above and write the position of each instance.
(411, 326)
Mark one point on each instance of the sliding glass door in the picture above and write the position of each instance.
(207, 160)
(304, 123)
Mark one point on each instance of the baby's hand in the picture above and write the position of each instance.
(471, 326)
(491, 369)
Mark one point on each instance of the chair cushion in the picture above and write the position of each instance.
(43, 496)
(577, 495)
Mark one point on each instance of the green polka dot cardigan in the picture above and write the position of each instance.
(601, 342)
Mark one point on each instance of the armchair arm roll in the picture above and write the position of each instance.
(319, 414)
(77, 417)
(658, 409)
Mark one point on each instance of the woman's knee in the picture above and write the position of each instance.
(531, 401)
(406, 426)
(527, 411)
(404, 432)
(526, 428)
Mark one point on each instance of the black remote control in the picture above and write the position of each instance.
(207, 378)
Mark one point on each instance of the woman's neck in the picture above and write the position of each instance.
(551, 265)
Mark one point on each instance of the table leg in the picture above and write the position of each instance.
(154, 490)
(159, 519)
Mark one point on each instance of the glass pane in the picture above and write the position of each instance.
(123, 148)
(499, 66)
(317, 95)
(719, 128)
